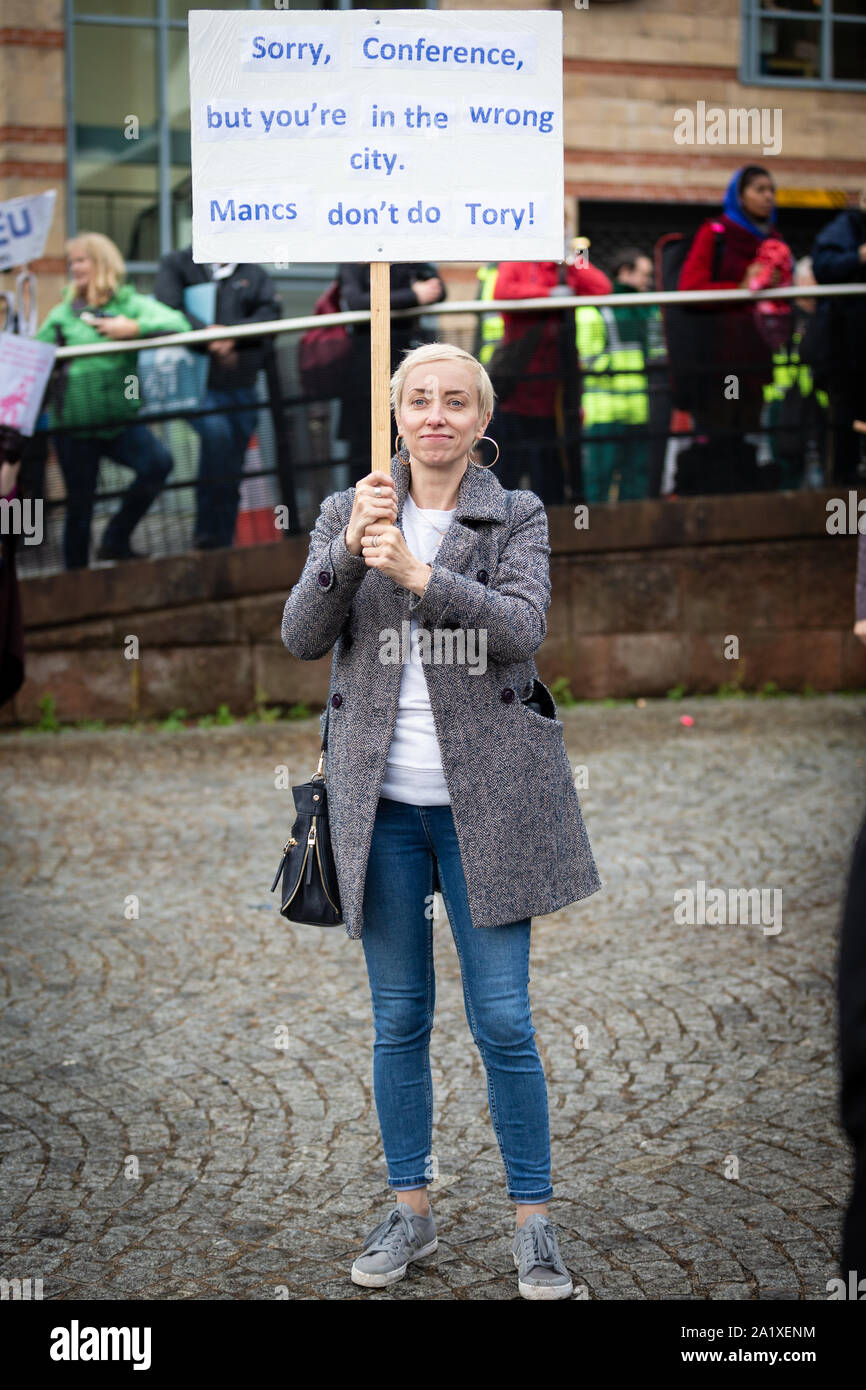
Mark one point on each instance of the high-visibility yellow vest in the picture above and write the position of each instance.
(614, 384)
(492, 325)
(789, 371)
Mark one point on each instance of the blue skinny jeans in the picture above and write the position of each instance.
(397, 938)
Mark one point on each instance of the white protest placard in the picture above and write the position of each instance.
(25, 366)
(24, 227)
(365, 135)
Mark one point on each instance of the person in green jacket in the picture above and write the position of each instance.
(99, 396)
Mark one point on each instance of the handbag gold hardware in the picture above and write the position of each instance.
(312, 840)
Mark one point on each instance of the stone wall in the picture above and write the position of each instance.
(642, 600)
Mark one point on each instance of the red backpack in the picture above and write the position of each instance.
(323, 353)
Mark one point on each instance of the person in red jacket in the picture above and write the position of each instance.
(734, 344)
(525, 422)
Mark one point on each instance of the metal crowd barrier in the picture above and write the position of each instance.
(300, 457)
(471, 306)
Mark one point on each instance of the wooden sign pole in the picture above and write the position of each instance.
(380, 366)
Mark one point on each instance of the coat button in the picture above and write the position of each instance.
(507, 695)
(482, 576)
(324, 578)
(336, 699)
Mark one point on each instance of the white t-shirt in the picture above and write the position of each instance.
(413, 771)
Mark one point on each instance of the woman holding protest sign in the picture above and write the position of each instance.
(448, 774)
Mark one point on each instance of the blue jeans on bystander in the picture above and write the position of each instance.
(137, 448)
(225, 435)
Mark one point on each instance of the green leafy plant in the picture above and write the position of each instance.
(222, 717)
(262, 713)
(299, 711)
(48, 721)
(676, 692)
(176, 720)
(560, 689)
(93, 726)
(733, 690)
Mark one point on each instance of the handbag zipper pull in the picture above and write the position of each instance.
(291, 841)
(311, 840)
(279, 871)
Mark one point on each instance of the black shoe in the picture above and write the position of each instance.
(123, 551)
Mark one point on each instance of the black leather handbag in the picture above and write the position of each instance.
(310, 893)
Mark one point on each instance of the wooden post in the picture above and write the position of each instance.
(380, 366)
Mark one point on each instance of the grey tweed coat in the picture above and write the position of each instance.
(523, 844)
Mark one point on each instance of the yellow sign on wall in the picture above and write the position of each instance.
(811, 198)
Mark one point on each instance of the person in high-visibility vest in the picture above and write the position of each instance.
(614, 346)
(491, 328)
(796, 410)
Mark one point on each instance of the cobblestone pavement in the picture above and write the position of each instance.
(157, 1143)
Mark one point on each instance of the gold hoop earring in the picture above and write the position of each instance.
(400, 449)
(496, 447)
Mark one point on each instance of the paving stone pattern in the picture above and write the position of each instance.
(157, 1144)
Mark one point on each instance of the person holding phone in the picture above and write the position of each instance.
(98, 396)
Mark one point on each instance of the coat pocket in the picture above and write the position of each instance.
(540, 702)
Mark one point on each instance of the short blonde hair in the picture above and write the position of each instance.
(109, 268)
(442, 352)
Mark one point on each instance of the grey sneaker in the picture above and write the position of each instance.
(540, 1271)
(390, 1247)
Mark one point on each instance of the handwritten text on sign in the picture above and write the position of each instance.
(365, 135)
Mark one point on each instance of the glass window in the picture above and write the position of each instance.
(849, 52)
(179, 9)
(816, 43)
(129, 159)
(180, 179)
(128, 9)
(116, 135)
(790, 48)
(806, 6)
